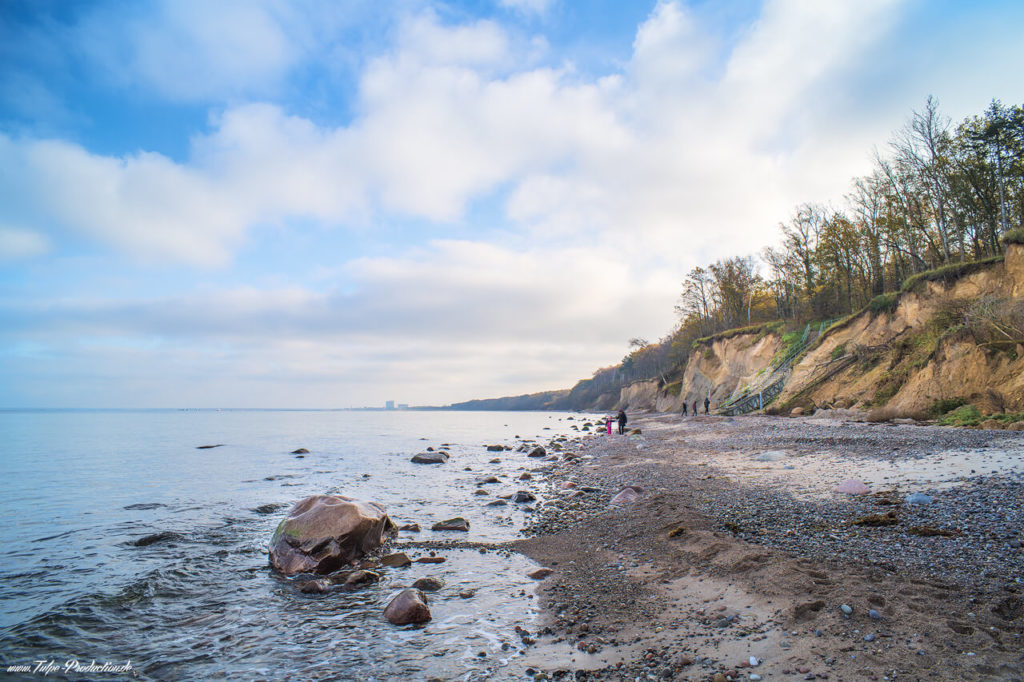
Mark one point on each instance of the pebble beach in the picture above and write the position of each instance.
(733, 555)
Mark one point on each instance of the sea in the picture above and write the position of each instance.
(80, 488)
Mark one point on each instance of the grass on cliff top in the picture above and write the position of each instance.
(1014, 236)
(884, 303)
(948, 274)
(762, 330)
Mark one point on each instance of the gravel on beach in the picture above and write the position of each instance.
(655, 589)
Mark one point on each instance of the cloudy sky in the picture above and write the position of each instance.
(315, 203)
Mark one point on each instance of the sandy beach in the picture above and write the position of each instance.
(739, 560)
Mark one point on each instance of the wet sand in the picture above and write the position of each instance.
(740, 552)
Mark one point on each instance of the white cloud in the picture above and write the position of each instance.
(18, 244)
(449, 116)
(447, 322)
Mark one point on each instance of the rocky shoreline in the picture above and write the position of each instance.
(737, 564)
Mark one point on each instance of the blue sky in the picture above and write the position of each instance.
(329, 204)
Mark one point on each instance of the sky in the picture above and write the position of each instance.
(334, 203)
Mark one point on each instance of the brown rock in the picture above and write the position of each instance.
(439, 457)
(428, 584)
(457, 523)
(315, 586)
(1016, 426)
(540, 573)
(991, 424)
(408, 606)
(796, 412)
(431, 560)
(525, 476)
(358, 578)
(411, 527)
(324, 532)
(627, 495)
(396, 560)
(567, 485)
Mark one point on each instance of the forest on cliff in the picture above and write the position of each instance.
(940, 199)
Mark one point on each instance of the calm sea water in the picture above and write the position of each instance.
(78, 488)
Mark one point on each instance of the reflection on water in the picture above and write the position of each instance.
(195, 598)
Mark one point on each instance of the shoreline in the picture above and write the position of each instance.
(719, 561)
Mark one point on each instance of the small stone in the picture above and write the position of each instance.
(754, 662)
(874, 615)
(315, 586)
(846, 609)
(410, 527)
(428, 584)
(361, 577)
(430, 560)
(467, 594)
(869, 638)
(396, 560)
(457, 523)
(540, 573)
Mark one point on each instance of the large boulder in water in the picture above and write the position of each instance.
(324, 532)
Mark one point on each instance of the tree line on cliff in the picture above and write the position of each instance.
(938, 196)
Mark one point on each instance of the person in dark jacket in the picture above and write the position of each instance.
(685, 408)
(707, 405)
(694, 408)
(622, 422)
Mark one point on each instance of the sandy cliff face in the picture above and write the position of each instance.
(911, 357)
(906, 358)
(715, 369)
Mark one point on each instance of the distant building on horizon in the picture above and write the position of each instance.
(403, 406)
(389, 405)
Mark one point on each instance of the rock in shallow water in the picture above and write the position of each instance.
(408, 606)
(457, 523)
(428, 584)
(439, 457)
(396, 560)
(323, 532)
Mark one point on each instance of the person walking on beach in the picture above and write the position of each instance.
(685, 404)
(694, 408)
(622, 422)
(707, 404)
